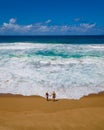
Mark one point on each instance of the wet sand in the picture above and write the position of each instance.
(35, 113)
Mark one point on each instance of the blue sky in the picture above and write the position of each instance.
(51, 17)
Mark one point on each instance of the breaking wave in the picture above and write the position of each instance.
(34, 68)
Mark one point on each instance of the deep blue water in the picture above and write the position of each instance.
(54, 39)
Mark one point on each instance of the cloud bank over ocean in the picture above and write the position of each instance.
(46, 27)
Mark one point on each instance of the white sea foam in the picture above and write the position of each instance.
(25, 69)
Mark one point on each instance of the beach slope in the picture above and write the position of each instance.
(35, 113)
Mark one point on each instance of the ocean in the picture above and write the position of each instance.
(72, 66)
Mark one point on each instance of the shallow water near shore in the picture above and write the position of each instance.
(32, 68)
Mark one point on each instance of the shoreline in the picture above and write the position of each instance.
(20, 95)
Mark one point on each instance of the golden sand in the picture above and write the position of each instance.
(35, 113)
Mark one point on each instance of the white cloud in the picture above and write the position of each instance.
(48, 21)
(11, 26)
(43, 28)
(65, 28)
(26, 28)
(87, 25)
(12, 20)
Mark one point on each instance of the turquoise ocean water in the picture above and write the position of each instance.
(73, 66)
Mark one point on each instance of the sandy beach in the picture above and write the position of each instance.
(35, 113)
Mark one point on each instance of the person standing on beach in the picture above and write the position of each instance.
(53, 95)
(47, 96)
